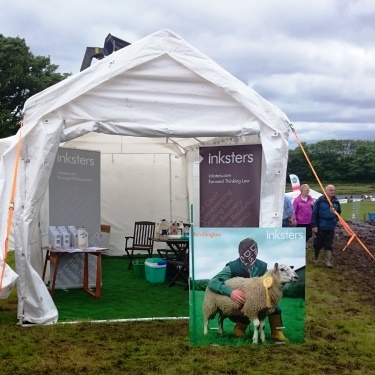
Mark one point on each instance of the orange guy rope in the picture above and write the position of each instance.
(342, 221)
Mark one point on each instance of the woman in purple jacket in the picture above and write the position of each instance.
(303, 206)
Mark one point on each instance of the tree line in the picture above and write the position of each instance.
(345, 161)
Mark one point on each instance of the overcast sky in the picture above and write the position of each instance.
(314, 60)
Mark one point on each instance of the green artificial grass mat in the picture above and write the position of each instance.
(124, 296)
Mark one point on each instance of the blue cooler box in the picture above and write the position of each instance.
(155, 270)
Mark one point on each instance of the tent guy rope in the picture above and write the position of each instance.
(341, 220)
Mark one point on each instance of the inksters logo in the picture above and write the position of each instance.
(232, 158)
(75, 160)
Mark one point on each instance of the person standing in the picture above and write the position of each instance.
(323, 222)
(288, 212)
(246, 265)
(303, 205)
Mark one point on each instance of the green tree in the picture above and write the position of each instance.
(21, 75)
(330, 158)
(362, 166)
(335, 160)
(297, 164)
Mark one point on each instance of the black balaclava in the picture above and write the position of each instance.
(248, 251)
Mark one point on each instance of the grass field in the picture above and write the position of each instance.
(339, 337)
(346, 189)
(357, 210)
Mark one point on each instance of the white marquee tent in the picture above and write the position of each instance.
(146, 108)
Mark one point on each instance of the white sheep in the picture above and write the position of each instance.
(262, 294)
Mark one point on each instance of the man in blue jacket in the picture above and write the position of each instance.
(323, 223)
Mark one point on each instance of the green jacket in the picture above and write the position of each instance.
(233, 269)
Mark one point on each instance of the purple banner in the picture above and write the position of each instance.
(229, 184)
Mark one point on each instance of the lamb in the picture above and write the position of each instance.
(262, 294)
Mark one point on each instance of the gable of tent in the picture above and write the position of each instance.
(159, 87)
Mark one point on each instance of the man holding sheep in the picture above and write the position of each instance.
(246, 265)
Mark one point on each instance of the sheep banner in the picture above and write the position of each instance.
(265, 303)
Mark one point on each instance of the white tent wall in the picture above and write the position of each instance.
(141, 187)
(5, 143)
(141, 179)
(35, 304)
(159, 87)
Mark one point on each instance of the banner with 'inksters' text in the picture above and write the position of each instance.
(216, 249)
(229, 185)
(74, 199)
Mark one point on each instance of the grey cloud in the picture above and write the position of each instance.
(314, 60)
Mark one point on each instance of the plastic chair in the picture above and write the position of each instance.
(141, 241)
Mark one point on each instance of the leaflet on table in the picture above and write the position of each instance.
(69, 250)
(76, 250)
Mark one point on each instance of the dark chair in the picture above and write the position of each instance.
(180, 271)
(141, 241)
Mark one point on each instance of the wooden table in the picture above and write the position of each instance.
(53, 255)
(178, 247)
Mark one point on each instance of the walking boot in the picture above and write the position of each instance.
(328, 258)
(240, 329)
(276, 327)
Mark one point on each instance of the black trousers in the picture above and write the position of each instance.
(324, 239)
(308, 230)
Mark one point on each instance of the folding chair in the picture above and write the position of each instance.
(141, 241)
(180, 269)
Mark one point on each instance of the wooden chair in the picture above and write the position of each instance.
(141, 241)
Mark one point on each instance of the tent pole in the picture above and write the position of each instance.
(170, 189)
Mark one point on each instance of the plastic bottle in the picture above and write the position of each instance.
(157, 231)
(164, 229)
(82, 238)
(181, 228)
(174, 228)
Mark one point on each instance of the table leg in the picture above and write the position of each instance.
(98, 290)
(98, 284)
(55, 260)
(45, 265)
(86, 273)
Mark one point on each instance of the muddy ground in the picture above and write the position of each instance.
(355, 261)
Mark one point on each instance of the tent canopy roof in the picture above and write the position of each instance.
(160, 86)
